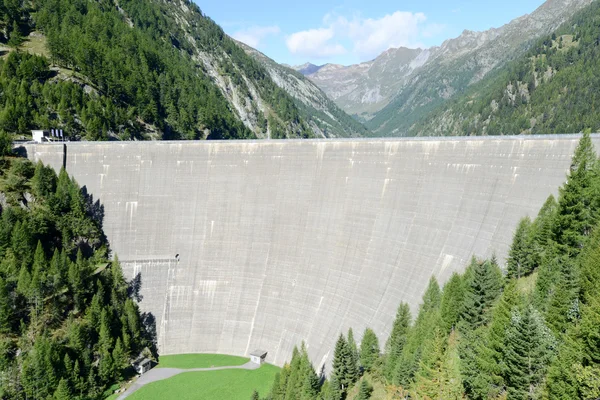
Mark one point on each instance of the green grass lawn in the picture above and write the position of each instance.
(230, 384)
(186, 361)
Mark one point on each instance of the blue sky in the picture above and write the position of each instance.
(352, 31)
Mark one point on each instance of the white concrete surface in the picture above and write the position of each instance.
(285, 241)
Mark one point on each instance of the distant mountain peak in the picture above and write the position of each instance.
(307, 68)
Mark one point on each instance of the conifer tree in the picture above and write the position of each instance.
(55, 273)
(520, 257)
(529, 348)
(369, 349)
(119, 356)
(578, 199)
(544, 223)
(297, 375)
(492, 357)
(563, 304)
(482, 289)
(16, 37)
(432, 296)
(397, 339)
(365, 390)
(439, 374)
(427, 320)
(589, 279)
(453, 297)
(344, 369)
(62, 391)
(23, 284)
(5, 308)
(354, 351)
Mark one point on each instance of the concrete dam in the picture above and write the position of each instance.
(280, 242)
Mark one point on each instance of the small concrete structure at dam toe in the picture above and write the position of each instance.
(280, 242)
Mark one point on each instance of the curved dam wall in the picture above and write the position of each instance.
(285, 241)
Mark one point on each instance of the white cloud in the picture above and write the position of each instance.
(254, 35)
(366, 37)
(314, 43)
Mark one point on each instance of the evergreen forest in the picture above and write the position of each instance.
(130, 71)
(530, 330)
(69, 321)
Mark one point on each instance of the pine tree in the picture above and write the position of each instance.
(344, 370)
(520, 259)
(439, 374)
(5, 308)
(482, 289)
(294, 381)
(563, 304)
(37, 278)
(544, 223)
(255, 395)
(590, 272)
(55, 273)
(369, 349)
(453, 297)
(428, 380)
(119, 356)
(425, 324)
(354, 351)
(397, 339)
(432, 296)
(365, 390)
(578, 200)
(23, 284)
(492, 358)
(529, 348)
(62, 391)
(105, 341)
(16, 37)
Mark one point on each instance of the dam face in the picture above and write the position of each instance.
(281, 242)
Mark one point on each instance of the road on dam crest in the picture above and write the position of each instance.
(281, 242)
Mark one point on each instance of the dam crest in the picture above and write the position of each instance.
(280, 242)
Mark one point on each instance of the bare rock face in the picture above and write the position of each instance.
(366, 88)
(402, 85)
(326, 118)
(270, 100)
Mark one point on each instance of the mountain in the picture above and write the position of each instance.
(366, 88)
(551, 89)
(401, 86)
(325, 118)
(130, 69)
(307, 69)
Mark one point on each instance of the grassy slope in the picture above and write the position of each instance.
(186, 361)
(211, 385)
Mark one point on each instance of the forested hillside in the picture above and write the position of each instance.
(552, 89)
(135, 70)
(69, 322)
(530, 330)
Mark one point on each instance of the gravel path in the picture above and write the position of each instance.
(158, 374)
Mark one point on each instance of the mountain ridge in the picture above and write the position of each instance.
(389, 103)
